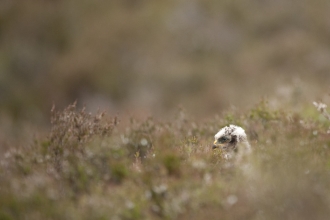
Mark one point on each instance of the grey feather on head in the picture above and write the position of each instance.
(230, 139)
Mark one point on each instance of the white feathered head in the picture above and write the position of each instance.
(229, 137)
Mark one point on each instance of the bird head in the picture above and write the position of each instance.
(228, 138)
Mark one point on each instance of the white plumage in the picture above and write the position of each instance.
(232, 139)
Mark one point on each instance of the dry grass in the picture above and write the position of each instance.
(144, 58)
(88, 169)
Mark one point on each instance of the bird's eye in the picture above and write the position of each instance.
(223, 139)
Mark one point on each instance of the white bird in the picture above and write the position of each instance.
(231, 140)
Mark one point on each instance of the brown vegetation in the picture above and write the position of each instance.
(142, 58)
(87, 169)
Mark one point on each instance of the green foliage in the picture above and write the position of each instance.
(172, 164)
(264, 113)
(36, 205)
(119, 172)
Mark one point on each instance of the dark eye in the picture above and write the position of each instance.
(223, 139)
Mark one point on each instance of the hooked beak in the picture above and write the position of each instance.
(216, 145)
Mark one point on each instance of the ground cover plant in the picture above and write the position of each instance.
(90, 167)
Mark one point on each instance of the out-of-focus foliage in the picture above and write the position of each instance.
(144, 57)
(149, 56)
(167, 170)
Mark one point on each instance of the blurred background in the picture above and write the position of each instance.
(146, 57)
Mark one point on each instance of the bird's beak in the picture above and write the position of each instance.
(216, 144)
